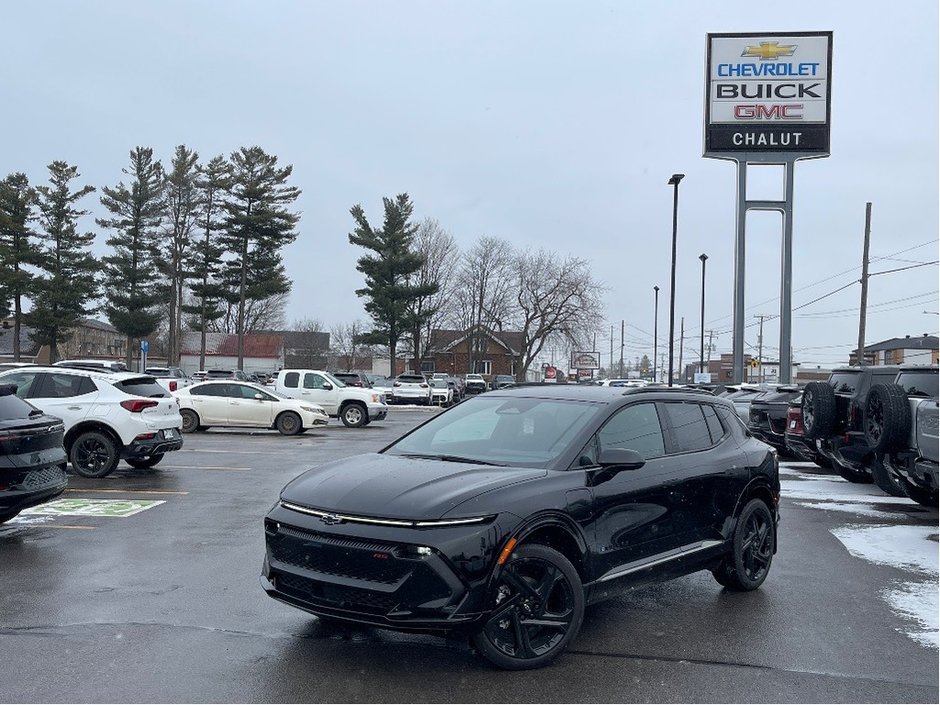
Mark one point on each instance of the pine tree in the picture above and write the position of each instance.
(389, 296)
(205, 260)
(17, 247)
(257, 225)
(66, 285)
(133, 288)
(182, 216)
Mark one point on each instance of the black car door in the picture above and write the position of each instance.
(632, 513)
(707, 468)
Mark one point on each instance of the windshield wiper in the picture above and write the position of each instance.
(451, 458)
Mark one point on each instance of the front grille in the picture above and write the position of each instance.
(40, 479)
(333, 595)
(369, 561)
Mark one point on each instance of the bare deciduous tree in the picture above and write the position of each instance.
(426, 313)
(260, 314)
(346, 344)
(552, 299)
(482, 293)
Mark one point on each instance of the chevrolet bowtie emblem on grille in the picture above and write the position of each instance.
(768, 51)
(330, 519)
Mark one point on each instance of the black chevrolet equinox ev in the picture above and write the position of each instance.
(507, 514)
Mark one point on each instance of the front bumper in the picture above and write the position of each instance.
(377, 412)
(28, 486)
(407, 579)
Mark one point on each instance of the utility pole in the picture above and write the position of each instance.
(760, 348)
(864, 306)
(610, 367)
(681, 346)
(711, 334)
(622, 322)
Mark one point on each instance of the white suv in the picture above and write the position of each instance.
(107, 415)
(411, 389)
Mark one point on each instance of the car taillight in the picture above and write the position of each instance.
(135, 406)
(145, 436)
(172, 386)
(853, 414)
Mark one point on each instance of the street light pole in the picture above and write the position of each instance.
(701, 354)
(655, 327)
(674, 182)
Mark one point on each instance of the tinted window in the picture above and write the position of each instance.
(23, 380)
(411, 379)
(292, 379)
(56, 385)
(713, 422)
(247, 392)
(919, 383)
(843, 382)
(689, 430)
(635, 427)
(12, 407)
(142, 387)
(209, 390)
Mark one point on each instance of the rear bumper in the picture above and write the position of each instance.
(800, 447)
(153, 446)
(919, 472)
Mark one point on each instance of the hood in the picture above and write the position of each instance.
(395, 487)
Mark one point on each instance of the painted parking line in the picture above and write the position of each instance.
(205, 467)
(76, 489)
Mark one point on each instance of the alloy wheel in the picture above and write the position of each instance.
(757, 547)
(92, 455)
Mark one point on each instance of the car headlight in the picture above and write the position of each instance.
(312, 409)
(375, 398)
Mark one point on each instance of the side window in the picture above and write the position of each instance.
(210, 390)
(312, 381)
(714, 423)
(55, 385)
(24, 381)
(635, 427)
(247, 392)
(689, 429)
(292, 380)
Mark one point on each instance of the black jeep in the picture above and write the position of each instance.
(834, 415)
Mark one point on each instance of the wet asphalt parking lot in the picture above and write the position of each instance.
(156, 598)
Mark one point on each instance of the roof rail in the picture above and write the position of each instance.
(650, 389)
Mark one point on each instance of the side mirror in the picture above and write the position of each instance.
(327, 386)
(259, 396)
(621, 459)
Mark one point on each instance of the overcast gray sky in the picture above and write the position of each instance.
(547, 124)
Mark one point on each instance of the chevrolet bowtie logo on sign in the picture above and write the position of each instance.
(769, 51)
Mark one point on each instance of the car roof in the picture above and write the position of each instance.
(593, 392)
(85, 372)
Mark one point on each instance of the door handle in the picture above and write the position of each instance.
(74, 408)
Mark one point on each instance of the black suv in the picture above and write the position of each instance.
(833, 415)
(504, 516)
(768, 416)
(32, 459)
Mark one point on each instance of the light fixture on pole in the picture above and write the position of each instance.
(674, 182)
(655, 327)
(701, 362)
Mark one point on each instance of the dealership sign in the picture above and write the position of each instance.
(768, 93)
(585, 360)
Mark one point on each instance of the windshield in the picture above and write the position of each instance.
(919, 383)
(520, 432)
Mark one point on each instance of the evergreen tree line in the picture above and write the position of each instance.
(187, 245)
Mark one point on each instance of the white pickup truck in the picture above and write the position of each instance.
(354, 406)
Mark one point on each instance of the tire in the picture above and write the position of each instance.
(537, 584)
(190, 420)
(146, 462)
(94, 454)
(887, 418)
(354, 415)
(288, 424)
(924, 497)
(886, 480)
(819, 410)
(752, 551)
(859, 477)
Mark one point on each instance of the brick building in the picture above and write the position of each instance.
(498, 352)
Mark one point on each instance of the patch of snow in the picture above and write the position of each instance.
(838, 491)
(918, 602)
(904, 547)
